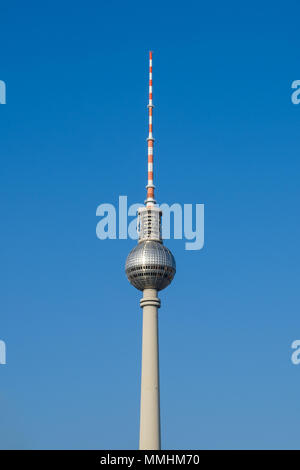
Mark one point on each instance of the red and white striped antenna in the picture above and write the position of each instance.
(150, 186)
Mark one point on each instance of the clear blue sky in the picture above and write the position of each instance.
(72, 136)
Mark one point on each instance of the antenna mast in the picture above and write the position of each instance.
(150, 186)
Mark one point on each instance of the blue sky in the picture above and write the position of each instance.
(72, 137)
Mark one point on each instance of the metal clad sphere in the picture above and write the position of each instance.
(150, 265)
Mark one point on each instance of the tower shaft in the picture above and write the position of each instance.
(150, 402)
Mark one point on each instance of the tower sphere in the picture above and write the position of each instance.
(150, 265)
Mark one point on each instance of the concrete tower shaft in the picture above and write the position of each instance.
(150, 400)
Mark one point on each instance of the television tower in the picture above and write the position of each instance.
(150, 267)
